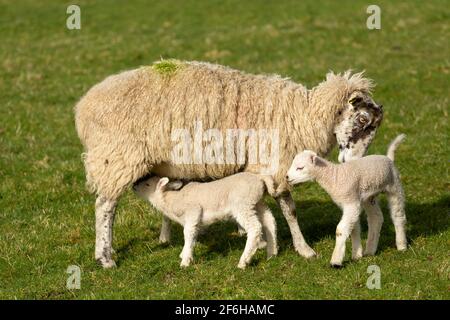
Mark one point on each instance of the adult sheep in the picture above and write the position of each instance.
(126, 123)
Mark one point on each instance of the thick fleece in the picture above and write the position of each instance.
(351, 185)
(125, 124)
(240, 197)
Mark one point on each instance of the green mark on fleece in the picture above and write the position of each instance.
(167, 67)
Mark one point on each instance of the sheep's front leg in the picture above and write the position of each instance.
(374, 221)
(287, 206)
(164, 236)
(104, 220)
(190, 235)
(357, 249)
(250, 222)
(345, 227)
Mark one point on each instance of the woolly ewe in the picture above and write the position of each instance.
(196, 205)
(125, 124)
(354, 185)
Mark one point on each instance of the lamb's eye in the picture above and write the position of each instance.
(300, 168)
(147, 185)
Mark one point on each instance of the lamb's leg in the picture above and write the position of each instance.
(375, 222)
(190, 235)
(397, 207)
(250, 222)
(269, 229)
(345, 227)
(287, 206)
(164, 236)
(104, 220)
(357, 249)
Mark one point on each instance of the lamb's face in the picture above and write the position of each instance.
(146, 188)
(356, 126)
(300, 170)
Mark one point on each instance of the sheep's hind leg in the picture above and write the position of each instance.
(375, 222)
(287, 206)
(104, 220)
(269, 229)
(357, 249)
(397, 207)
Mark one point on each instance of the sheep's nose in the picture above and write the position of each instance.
(287, 177)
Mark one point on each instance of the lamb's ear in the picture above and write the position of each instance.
(162, 184)
(174, 185)
(317, 161)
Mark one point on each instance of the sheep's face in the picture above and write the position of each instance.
(146, 188)
(301, 168)
(356, 126)
(152, 189)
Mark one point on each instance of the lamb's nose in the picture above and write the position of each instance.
(287, 177)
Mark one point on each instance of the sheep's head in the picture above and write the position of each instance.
(302, 167)
(356, 125)
(152, 189)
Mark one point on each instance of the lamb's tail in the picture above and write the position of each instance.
(394, 144)
(270, 185)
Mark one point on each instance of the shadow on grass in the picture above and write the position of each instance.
(318, 221)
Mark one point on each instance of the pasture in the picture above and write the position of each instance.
(47, 215)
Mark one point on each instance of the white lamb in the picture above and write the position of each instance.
(353, 185)
(240, 196)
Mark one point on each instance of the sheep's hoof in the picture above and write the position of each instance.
(336, 266)
(242, 265)
(163, 241)
(106, 264)
(307, 253)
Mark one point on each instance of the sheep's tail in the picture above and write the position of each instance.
(270, 185)
(394, 144)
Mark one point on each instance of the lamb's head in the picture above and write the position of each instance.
(356, 124)
(302, 167)
(152, 189)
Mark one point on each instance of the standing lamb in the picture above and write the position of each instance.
(196, 205)
(350, 185)
(126, 122)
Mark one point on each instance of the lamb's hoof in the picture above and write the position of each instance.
(357, 256)
(307, 253)
(186, 262)
(106, 263)
(242, 265)
(402, 247)
(163, 241)
(336, 265)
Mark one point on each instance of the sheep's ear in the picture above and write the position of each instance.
(162, 183)
(174, 185)
(317, 161)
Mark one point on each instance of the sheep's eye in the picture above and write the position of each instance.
(300, 168)
(147, 185)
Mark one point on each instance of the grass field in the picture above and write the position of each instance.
(46, 214)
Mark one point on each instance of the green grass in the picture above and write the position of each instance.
(46, 214)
